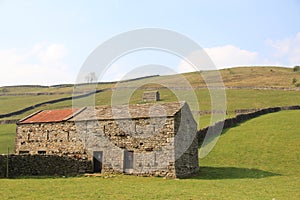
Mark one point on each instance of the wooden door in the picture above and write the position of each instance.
(128, 160)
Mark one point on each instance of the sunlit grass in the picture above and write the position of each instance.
(258, 159)
(7, 136)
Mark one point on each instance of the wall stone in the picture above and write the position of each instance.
(43, 165)
(49, 138)
(9, 121)
(152, 145)
(186, 145)
(151, 96)
(239, 118)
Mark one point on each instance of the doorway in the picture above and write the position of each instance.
(97, 161)
(128, 161)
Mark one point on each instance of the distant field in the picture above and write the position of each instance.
(277, 77)
(14, 103)
(236, 99)
(258, 159)
(34, 89)
(260, 76)
(238, 76)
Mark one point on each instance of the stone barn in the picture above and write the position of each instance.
(144, 139)
(151, 96)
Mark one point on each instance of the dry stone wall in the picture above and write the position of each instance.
(42, 165)
(231, 122)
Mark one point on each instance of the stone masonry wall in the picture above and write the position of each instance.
(153, 153)
(49, 138)
(239, 118)
(42, 165)
(151, 96)
(186, 144)
(151, 141)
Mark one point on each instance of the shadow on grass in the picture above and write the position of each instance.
(213, 173)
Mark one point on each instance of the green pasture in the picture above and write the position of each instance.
(258, 159)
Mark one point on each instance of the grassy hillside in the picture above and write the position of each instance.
(7, 136)
(237, 99)
(260, 76)
(239, 76)
(34, 89)
(14, 103)
(258, 159)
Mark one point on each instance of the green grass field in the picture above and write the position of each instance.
(7, 136)
(14, 103)
(258, 159)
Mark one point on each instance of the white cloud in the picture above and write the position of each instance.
(50, 54)
(42, 64)
(286, 51)
(114, 72)
(230, 55)
(185, 67)
(45, 63)
(222, 57)
(197, 60)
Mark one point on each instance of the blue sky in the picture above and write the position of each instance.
(46, 42)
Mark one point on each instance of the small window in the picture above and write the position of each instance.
(42, 152)
(23, 152)
(47, 135)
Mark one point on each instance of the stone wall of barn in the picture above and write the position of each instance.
(186, 143)
(150, 140)
(49, 138)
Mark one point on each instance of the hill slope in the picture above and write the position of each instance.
(242, 79)
(237, 76)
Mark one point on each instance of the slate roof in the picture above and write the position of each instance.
(129, 111)
(105, 113)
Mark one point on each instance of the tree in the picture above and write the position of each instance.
(4, 90)
(90, 77)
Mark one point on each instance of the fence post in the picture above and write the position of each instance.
(7, 161)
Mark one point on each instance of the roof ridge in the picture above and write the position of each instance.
(74, 114)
